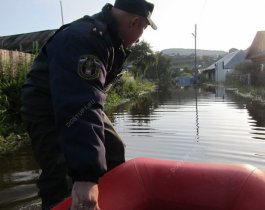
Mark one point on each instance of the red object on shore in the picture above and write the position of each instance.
(152, 184)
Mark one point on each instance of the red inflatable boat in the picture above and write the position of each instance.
(151, 184)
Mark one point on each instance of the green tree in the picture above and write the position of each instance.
(160, 71)
(141, 58)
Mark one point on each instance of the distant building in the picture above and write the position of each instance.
(184, 81)
(256, 52)
(218, 70)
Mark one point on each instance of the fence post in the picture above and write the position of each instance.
(249, 79)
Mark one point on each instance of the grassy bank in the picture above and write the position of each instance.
(126, 89)
(256, 94)
(252, 93)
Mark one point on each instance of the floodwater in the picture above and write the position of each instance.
(183, 125)
(215, 127)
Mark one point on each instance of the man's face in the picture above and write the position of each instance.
(136, 31)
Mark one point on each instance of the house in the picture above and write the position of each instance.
(256, 52)
(218, 70)
(27, 42)
(184, 81)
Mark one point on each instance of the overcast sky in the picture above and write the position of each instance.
(221, 24)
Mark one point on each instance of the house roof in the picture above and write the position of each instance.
(25, 42)
(230, 60)
(257, 49)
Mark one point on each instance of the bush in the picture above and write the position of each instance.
(127, 88)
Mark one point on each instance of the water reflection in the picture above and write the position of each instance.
(257, 112)
(151, 107)
(197, 114)
(18, 174)
(18, 168)
(195, 125)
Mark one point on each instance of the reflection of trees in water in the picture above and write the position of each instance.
(240, 101)
(21, 161)
(140, 109)
(257, 111)
(176, 97)
(143, 108)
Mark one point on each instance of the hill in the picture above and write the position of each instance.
(182, 51)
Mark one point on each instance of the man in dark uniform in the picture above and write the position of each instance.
(63, 99)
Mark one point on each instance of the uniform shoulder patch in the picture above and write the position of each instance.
(89, 67)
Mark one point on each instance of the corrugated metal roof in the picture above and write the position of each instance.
(230, 60)
(25, 42)
(239, 57)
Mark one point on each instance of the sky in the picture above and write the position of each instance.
(221, 24)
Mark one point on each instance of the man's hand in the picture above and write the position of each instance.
(85, 196)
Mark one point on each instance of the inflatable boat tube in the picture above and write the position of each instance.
(152, 184)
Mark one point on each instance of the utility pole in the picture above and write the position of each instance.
(196, 84)
(61, 12)
(195, 56)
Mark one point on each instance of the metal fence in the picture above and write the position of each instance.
(239, 79)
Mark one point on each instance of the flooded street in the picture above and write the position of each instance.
(184, 125)
(216, 127)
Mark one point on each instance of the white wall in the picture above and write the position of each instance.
(220, 72)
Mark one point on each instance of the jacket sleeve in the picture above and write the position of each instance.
(78, 99)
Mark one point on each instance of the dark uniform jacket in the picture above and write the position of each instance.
(66, 84)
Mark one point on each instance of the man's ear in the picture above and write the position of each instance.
(134, 23)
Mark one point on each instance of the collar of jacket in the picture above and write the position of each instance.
(106, 16)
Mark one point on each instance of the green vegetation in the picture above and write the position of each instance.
(161, 72)
(141, 58)
(151, 66)
(127, 88)
(12, 75)
(13, 142)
